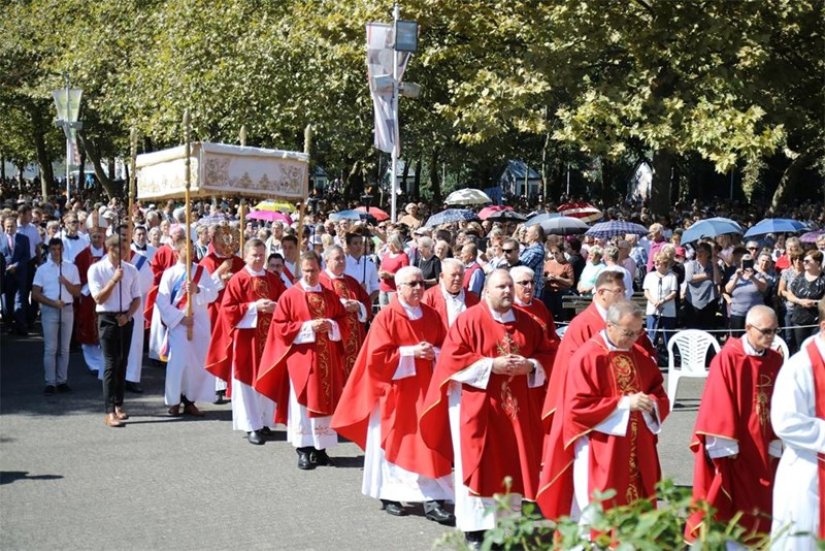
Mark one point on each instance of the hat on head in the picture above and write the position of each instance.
(680, 251)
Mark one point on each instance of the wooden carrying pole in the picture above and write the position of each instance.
(188, 153)
(242, 206)
(132, 180)
(302, 212)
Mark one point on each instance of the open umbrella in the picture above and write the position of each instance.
(450, 216)
(710, 227)
(275, 206)
(506, 216)
(270, 216)
(606, 230)
(468, 196)
(347, 215)
(585, 211)
(541, 218)
(375, 212)
(219, 218)
(775, 225)
(562, 225)
(491, 210)
(811, 236)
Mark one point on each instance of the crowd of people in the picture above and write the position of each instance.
(436, 350)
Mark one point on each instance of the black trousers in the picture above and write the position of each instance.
(114, 343)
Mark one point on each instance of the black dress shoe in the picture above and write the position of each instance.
(134, 387)
(49, 390)
(305, 461)
(255, 437)
(434, 511)
(266, 431)
(475, 540)
(394, 508)
(220, 397)
(63, 387)
(320, 458)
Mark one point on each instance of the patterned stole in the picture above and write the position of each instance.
(260, 289)
(623, 367)
(507, 345)
(818, 369)
(318, 310)
(352, 333)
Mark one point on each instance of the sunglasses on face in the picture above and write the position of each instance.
(417, 283)
(767, 332)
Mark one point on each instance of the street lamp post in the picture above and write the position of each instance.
(67, 102)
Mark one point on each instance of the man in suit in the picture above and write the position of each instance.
(15, 250)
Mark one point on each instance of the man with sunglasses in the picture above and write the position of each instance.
(604, 433)
(736, 450)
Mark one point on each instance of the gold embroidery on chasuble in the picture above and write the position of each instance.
(762, 400)
(624, 373)
(318, 310)
(351, 341)
(260, 289)
(509, 403)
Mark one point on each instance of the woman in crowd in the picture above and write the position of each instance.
(805, 291)
(393, 260)
(784, 294)
(746, 288)
(661, 288)
(591, 271)
(427, 262)
(558, 280)
(702, 279)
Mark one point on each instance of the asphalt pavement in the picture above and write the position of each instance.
(68, 482)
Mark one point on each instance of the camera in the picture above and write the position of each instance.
(747, 263)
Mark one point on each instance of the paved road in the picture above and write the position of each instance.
(68, 482)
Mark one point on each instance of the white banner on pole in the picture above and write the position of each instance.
(380, 56)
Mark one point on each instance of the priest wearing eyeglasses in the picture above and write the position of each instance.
(736, 450)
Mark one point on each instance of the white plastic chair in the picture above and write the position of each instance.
(693, 348)
(781, 346)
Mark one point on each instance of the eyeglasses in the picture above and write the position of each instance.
(508, 251)
(752, 248)
(526, 282)
(767, 332)
(610, 290)
(629, 333)
(71, 222)
(416, 283)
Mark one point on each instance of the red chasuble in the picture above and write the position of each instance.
(165, 257)
(433, 297)
(352, 330)
(401, 401)
(241, 348)
(541, 315)
(315, 370)
(736, 405)
(212, 262)
(596, 381)
(500, 427)
(85, 319)
(818, 370)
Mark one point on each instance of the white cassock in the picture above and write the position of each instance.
(472, 512)
(796, 488)
(134, 366)
(185, 372)
(385, 480)
(302, 430)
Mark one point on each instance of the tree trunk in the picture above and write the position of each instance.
(39, 125)
(660, 187)
(435, 178)
(111, 168)
(404, 175)
(416, 191)
(81, 173)
(787, 184)
(354, 185)
(91, 152)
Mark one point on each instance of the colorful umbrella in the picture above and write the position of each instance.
(273, 206)
(811, 236)
(347, 215)
(486, 212)
(377, 213)
(468, 196)
(711, 227)
(270, 216)
(450, 216)
(775, 225)
(613, 228)
(585, 211)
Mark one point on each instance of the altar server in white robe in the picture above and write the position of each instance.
(134, 366)
(187, 380)
(798, 418)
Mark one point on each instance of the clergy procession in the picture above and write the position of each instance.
(458, 394)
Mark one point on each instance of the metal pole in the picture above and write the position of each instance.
(242, 205)
(731, 184)
(68, 130)
(188, 154)
(396, 13)
(568, 181)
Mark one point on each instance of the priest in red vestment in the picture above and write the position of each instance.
(238, 340)
(85, 318)
(736, 450)
(604, 432)
(354, 299)
(479, 411)
(165, 257)
(302, 368)
(383, 398)
(449, 298)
